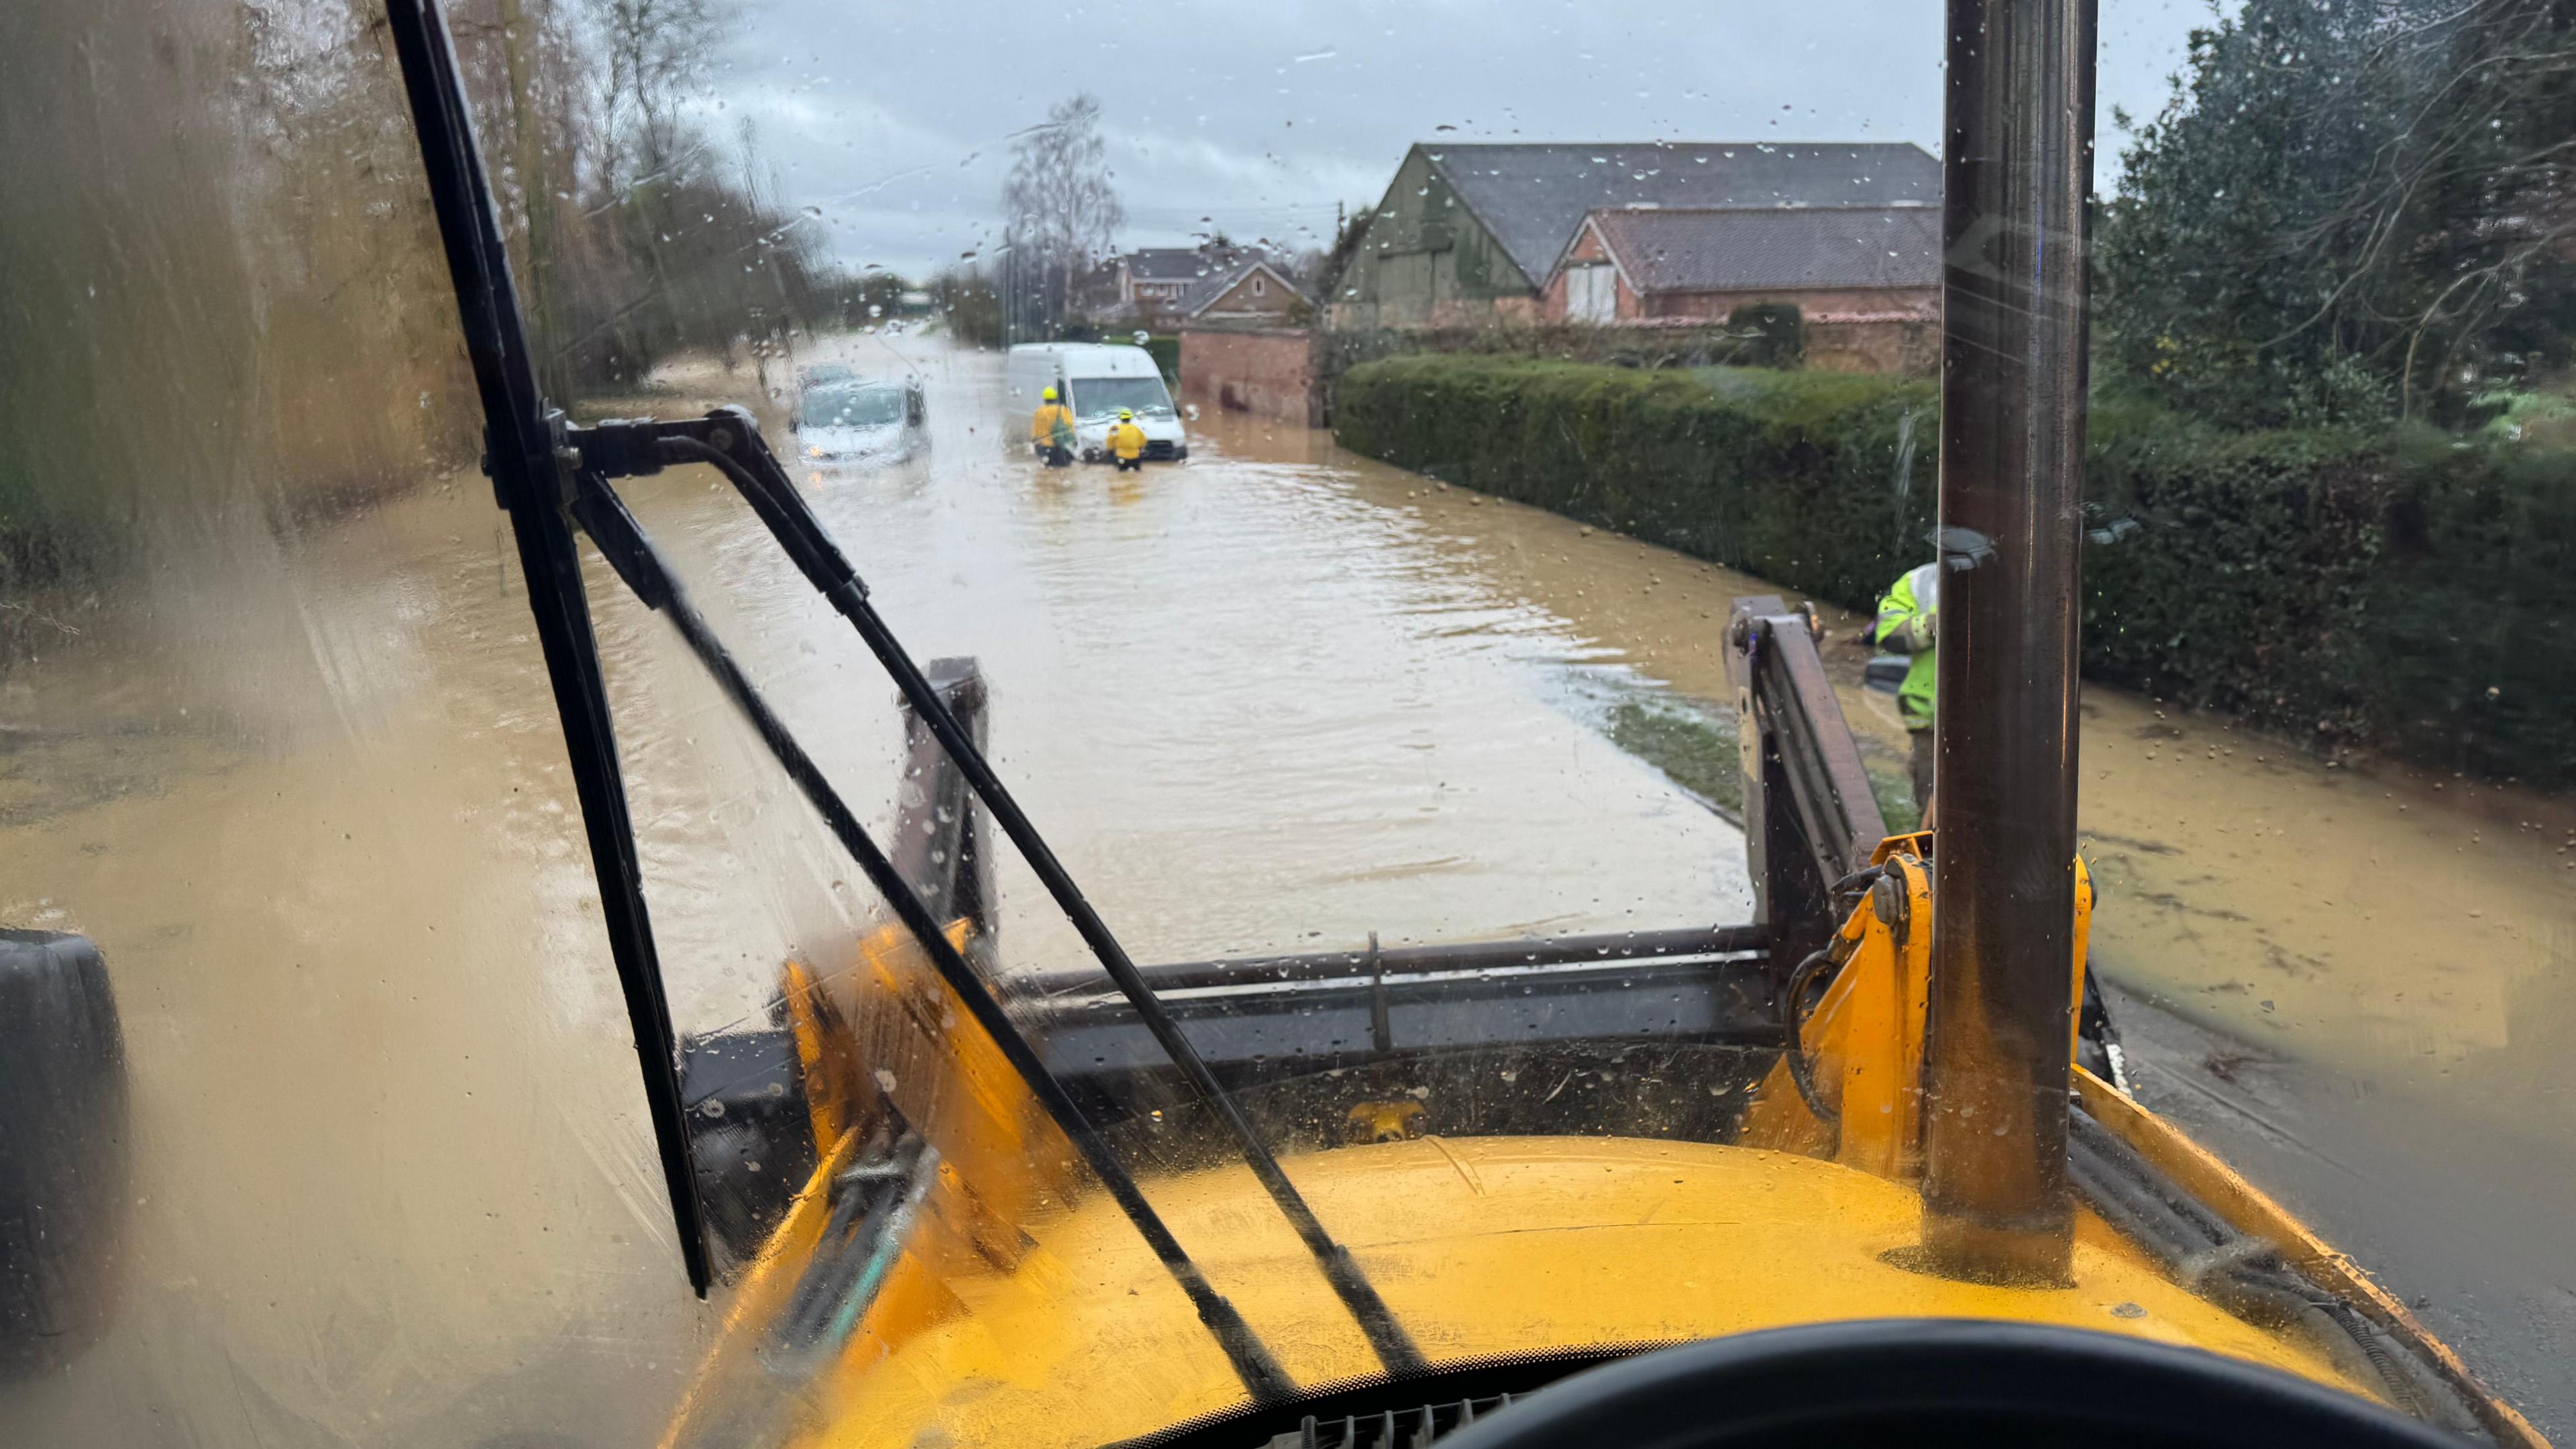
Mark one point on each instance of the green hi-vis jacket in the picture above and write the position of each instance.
(1908, 623)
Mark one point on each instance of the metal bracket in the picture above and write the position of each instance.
(1381, 1030)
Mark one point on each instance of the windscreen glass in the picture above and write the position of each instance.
(1709, 591)
(843, 406)
(1102, 397)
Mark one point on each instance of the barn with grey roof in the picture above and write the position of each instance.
(1474, 233)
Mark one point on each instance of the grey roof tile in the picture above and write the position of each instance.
(1168, 264)
(1712, 249)
(1533, 196)
(1214, 285)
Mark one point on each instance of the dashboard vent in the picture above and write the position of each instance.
(1392, 1428)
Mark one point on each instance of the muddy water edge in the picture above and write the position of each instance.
(2417, 927)
(2356, 979)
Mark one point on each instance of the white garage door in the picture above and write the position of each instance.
(1592, 293)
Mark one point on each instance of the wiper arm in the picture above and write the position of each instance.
(622, 542)
(538, 480)
(530, 459)
(730, 441)
(528, 483)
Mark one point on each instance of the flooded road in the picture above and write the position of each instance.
(394, 1185)
(2358, 984)
(2417, 927)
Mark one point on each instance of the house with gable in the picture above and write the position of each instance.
(1471, 234)
(1252, 289)
(1154, 279)
(1866, 280)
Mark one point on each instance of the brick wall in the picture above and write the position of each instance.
(1268, 372)
(1716, 306)
(1588, 248)
(1891, 329)
(1883, 342)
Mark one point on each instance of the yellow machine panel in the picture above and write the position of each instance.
(1481, 1246)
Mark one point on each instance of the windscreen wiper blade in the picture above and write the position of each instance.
(621, 541)
(538, 479)
(730, 441)
(528, 481)
(531, 458)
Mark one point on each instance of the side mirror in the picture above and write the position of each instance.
(64, 1168)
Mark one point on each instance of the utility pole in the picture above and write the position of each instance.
(2017, 165)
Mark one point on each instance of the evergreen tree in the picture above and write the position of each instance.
(2350, 209)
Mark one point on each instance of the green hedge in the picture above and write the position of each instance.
(1166, 352)
(2406, 592)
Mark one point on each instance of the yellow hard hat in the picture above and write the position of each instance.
(1050, 394)
(1126, 415)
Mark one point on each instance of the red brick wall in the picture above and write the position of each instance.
(1875, 344)
(1871, 341)
(1716, 305)
(1269, 372)
(1587, 248)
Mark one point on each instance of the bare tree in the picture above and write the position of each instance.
(655, 56)
(1063, 210)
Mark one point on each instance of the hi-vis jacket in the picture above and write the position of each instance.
(1052, 427)
(1127, 441)
(1908, 620)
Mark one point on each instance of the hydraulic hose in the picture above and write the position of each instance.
(1793, 1020)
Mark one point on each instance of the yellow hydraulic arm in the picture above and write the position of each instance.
(1852, 1089)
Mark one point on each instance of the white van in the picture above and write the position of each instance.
(1095, 380)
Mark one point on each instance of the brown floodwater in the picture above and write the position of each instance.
(394, 1185)
(2414, 926)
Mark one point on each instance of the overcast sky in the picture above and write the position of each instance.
(894, 121)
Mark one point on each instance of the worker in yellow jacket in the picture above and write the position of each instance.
(1909, 622)
(1127, 443)
(1051, 432)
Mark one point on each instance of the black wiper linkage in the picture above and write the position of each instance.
(546, 476)
(621, 541)
(730, 441)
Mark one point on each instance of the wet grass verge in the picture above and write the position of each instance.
(1694, 745)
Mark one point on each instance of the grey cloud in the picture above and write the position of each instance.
(894, 121)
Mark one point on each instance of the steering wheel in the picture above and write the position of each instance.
(1912, 1382)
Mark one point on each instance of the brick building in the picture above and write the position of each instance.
(1252, 289)
(1471, 234)
(1155, 279)
(1866, 280)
